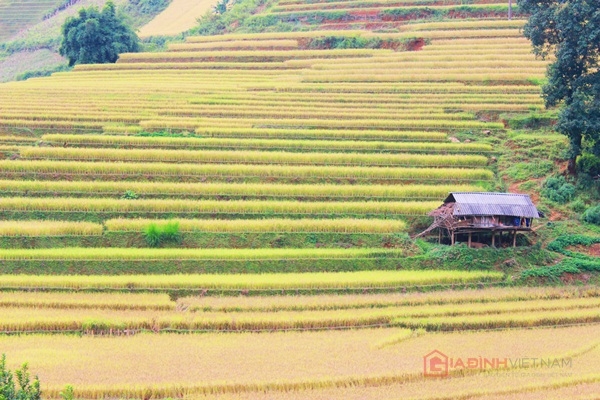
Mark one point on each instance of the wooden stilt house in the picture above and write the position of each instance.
(465, 214)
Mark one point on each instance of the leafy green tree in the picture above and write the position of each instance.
(26, 390)
(96, 37)
(570, 29)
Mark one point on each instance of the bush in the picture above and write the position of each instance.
(578, 206)
(532, 121)
(344, 42)
(589, 164)
(221, 7)
(8, 388)
(553, 272)
(574, 263)
(558, 190)
(592, 215)
(130, 195)
(68, 393)
(41, 72)
(156, 234)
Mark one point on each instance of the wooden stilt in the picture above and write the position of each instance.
(470, 235)
(515, 239)
(493, 239)
(440, 235)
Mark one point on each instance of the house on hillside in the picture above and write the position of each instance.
(487, 216)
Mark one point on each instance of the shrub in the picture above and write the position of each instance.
(344, 42)
(27, 390)
(130, 195)
(589, 164)
(561, 243)
(578, 206)
(552, 272)
(592, 215)
(68, 393)
(221, 7)
(532, 121)
(558, 190)
(41, 72)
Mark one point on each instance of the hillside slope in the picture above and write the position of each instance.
(279, 108)
(32, 46)
(178, 17)
(16, 15)
(266, 184)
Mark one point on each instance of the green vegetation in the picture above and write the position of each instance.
(558, 190)
(574, 263)
(23, 388)
(41, 72)
(569, 31)
(141, 12)
(219, 23)
(592, 215)
(355, 42)
(589, 164)
(97, 37)
(156, 235)
(532, 120)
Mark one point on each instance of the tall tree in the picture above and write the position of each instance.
(570, 30)
(97, 36)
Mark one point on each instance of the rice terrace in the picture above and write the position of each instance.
(299, 199)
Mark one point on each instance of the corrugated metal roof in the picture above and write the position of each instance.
(479, 203)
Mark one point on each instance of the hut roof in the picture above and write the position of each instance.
(508, 204)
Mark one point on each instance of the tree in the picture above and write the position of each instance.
(570, 29)
(97, 36)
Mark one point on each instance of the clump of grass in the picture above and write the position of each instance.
(156, 234)
(130, 195)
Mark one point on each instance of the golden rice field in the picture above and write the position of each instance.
(266, 136)
(372, 363)
(263, 225)
(231, 190)
(42, 312)
(290, 281)
(523, 314)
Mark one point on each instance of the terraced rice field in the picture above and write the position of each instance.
(276, 181)
(16, 15)
(278, 129)
(368, 355)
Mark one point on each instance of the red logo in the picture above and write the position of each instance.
(435, 364)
